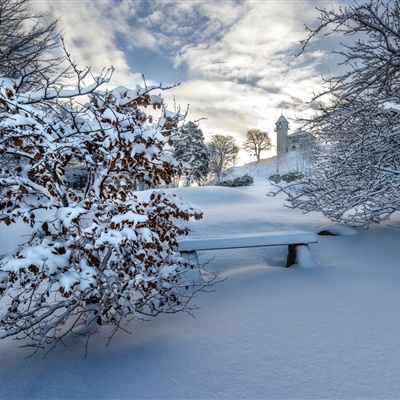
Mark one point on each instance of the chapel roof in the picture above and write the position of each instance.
(282, 119)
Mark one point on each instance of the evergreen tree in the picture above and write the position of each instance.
(191, 149)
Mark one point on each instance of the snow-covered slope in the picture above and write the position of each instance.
(266, 332)
(293, 161)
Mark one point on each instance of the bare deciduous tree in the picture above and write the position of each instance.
(256, 142)
(223, 152)
(371, 49)
(29, 48)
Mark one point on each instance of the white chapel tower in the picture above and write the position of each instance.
(282, 128)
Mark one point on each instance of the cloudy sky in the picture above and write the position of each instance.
(235, 60)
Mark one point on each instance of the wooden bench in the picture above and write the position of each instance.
(298, 245)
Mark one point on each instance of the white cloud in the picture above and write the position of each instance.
(250, 75)
(90, 29)
(228, 107)
(238, 57)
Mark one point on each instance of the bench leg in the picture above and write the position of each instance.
(300, 254)
(192, 275)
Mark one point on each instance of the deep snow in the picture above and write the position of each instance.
(266, 332)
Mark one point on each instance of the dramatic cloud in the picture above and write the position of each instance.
(250, 74)
(91, 29)
(236, 60)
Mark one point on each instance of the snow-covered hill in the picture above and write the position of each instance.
(260, 171)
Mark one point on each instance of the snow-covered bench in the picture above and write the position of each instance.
(298, 250)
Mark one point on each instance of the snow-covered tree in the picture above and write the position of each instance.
(99, 254)
(257, 141)
(356, 174)
(223, 152)
(191, 148)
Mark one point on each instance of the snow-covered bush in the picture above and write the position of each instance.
(99, 254)
(288, 177)
(292, 176)
(245, 180)
(276, 178)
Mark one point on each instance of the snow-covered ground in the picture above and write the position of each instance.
(266, 332)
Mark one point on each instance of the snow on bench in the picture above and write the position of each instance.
(298, 250)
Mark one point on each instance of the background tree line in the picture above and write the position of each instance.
(212, 159)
